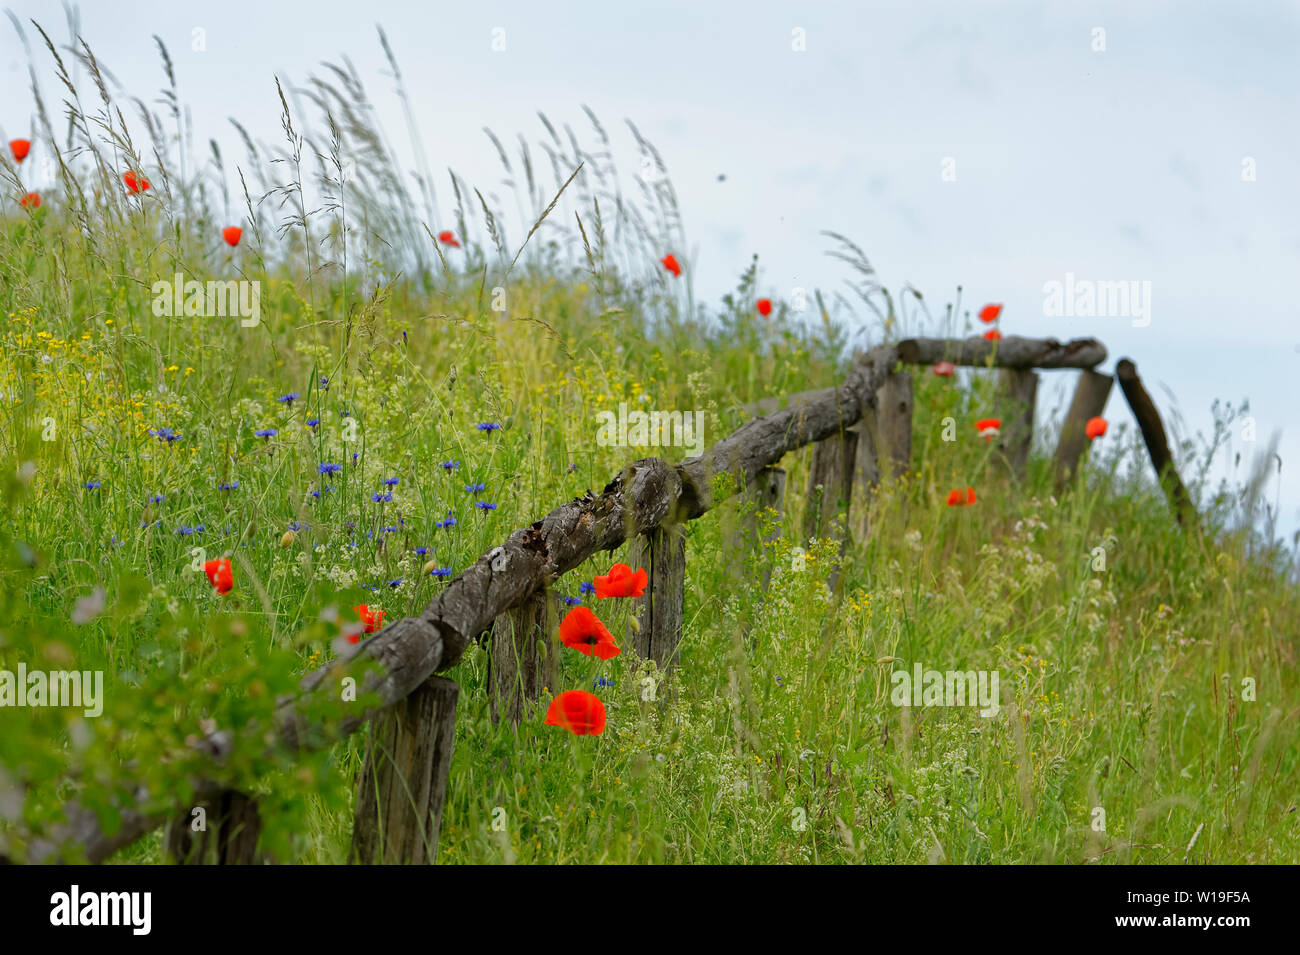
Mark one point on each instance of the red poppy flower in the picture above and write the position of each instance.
(373, 619)
(993, 335)
(220, 574)
(447, 237)
(944, 369)
(621, 582)
(31, 200)
(136, 184)
(579, 712)
(765, 307)
(20, 147)
(1095, 428)
(988, 427)
(232, 234)
(583, 631)
(989, 314)
(670, 263)
(959, 498)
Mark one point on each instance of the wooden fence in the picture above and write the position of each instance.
(861, 430)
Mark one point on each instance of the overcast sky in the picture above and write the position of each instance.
(991, 145)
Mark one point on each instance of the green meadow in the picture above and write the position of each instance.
(448, 389)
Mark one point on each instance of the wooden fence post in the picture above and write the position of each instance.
(866, 467)
(1153, 433)
(1018, 389)
(404, 779)
(830, 482)
(524, 657)
(894, 420)
(662, 552)
(231, 826)
(866, 464)
(1089, 402)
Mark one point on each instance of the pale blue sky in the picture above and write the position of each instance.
(1122, 164)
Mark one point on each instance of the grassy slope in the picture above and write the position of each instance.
(1122, 686)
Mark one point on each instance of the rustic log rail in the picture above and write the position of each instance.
(645, 503)
(1153, 433)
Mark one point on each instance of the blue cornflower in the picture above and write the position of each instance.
(324, 383)
(485, 506)
(381, 498)
(474, 488)
(395, 583)
(573, 601)
(328, 468)
(487, 426)
(600, 682)
(451, 465)
(391, 482)
(440, 572)
(166, 434)
(157, 499)
(228, 486)
(290, 398)
(267, 433)
(92, 485)
(586, 587)
(421, 551)
(369, 586)
(449, 522)
(389, 530)
(186, 531)
(313, 422)
(355, 455)
(295, 526)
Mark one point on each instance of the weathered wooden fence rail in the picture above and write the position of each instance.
(861, 427)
